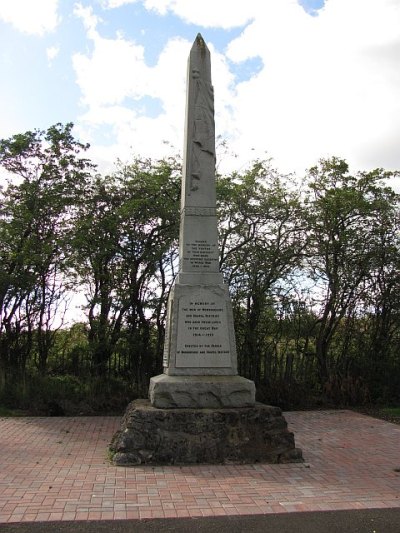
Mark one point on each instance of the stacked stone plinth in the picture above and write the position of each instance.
(210, 436)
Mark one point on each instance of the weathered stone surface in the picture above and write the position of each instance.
(200, 336)
(199, 392)
(211, 436)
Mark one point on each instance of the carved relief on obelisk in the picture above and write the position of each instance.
(203, 142)
(199, 149)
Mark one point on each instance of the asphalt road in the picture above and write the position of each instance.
(359, 521)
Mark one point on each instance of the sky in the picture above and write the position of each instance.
(294, 80)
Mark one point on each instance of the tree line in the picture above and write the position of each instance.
(312, 266)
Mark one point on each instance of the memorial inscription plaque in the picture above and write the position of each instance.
(200, 338)
(204, 339)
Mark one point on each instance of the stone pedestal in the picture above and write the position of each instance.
(210, 436)
(199, 392)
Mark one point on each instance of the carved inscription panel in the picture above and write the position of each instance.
(203, 335)
(201, 255)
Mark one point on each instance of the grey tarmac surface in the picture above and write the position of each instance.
(356, 521)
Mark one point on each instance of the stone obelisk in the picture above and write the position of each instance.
(200, 410)
(200, 363)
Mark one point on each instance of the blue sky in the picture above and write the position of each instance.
(294, 80)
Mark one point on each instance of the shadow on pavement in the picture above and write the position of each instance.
(362, 521)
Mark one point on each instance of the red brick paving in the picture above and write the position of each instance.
(57, 469)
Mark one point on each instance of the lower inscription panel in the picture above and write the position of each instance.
(203, 334)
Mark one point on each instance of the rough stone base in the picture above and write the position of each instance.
(199, 392)
(209, 436)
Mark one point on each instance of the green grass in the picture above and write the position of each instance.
(5, 411)
(392, 411)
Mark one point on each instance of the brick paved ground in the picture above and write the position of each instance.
(57, 469)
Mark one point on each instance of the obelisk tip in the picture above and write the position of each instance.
(199, 43)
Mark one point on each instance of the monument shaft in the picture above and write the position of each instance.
(198, 250)
(203, 330)
(200, 361)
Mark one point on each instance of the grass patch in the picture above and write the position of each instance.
(66, 395)
(7, 412)
(391, 411)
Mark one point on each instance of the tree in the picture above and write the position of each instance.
(262, 240)
(123, 241)
(48, 177)
(344, 214)
(380, 340)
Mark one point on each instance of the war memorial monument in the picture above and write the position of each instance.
(199, 410)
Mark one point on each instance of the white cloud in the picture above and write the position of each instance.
(111, 4)
(89, 19)
(329, 84)
(114, 78)
(29, 16)
(52, 52)
(115, 70)
(206, 13)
